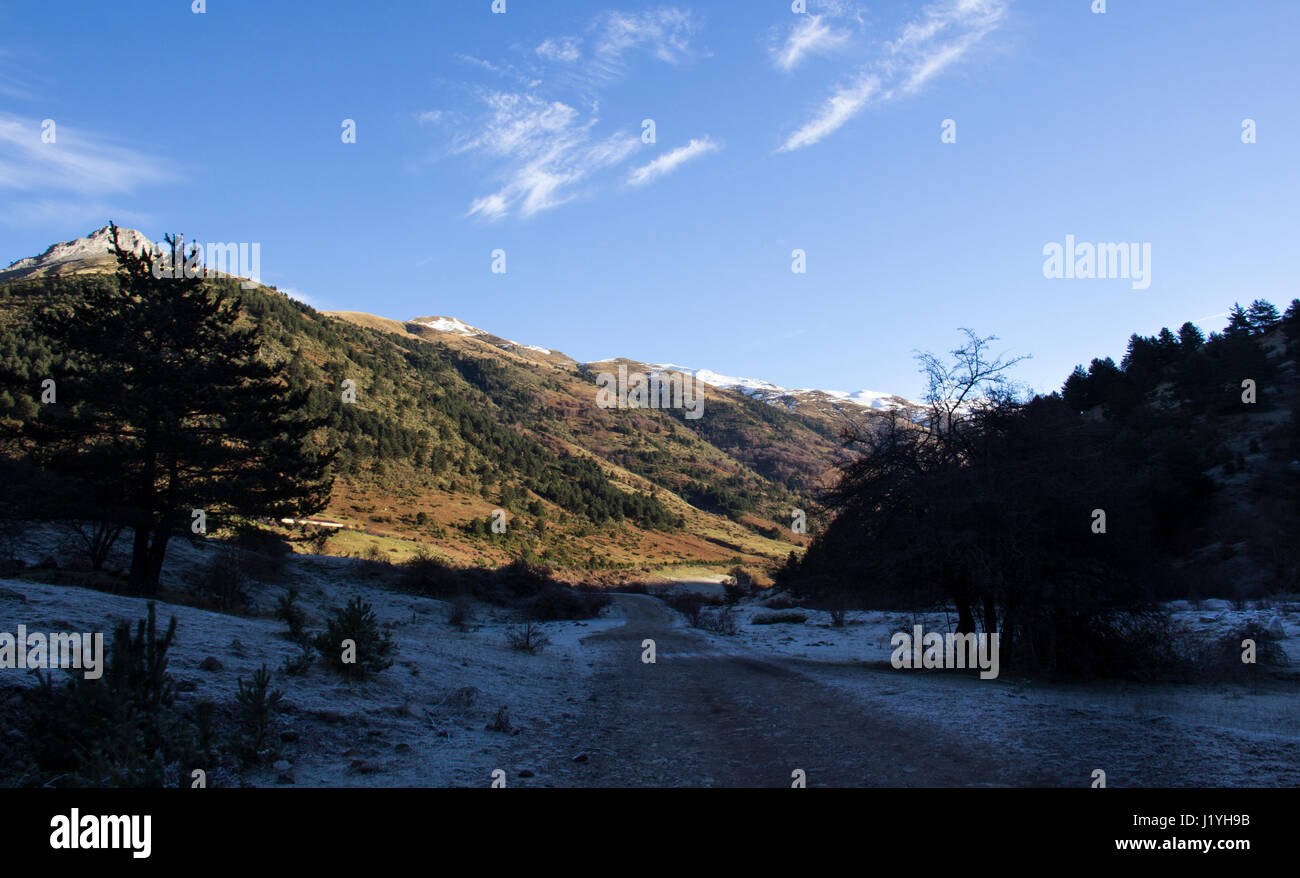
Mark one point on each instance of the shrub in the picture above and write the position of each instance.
(560, 602)
(529, 638)
(524, 579)
(292, 615)
(356, 622)
(739, 586)
(1116, 643)
(263, 555)
(721, 621)
(223, 582)
(460, 614)
(689, 604)
(204, 714)
(1221, 658)
(121, 730)
(257, 702)
(97, 538)
(429, 575)
(318, 540)
(500, 722)
(296, 666)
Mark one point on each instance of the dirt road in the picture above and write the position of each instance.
(698, 717)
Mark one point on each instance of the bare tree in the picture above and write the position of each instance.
(973, 378)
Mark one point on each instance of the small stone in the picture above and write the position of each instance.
(581, 757)
(284, 777)
(282, 765)
(527, 772)
(210, 664)
(289, 736)
(403, 747)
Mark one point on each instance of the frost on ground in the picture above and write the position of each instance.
(1222, 734)
(421, 722)
(714, 710)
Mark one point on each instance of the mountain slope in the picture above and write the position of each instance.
(451, 423)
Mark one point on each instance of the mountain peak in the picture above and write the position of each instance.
(449, 324)
(78, 256)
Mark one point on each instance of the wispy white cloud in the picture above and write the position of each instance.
(525, 79)
(69, 179)
(600, 57)
(76, 161)
(664, 32)
(546, 147)
(811, 35)
(839, 108)
(545, 151)
(941, 36)
(671, 161)
(564, 50)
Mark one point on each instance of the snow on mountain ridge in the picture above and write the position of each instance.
(759, 388)
(460, 327)
(450, 324)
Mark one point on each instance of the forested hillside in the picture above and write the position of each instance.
(438, 433)
(1062, 521)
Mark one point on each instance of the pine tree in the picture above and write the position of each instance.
(1262, 316)
(166, 405)
(1291, 320)
(1238, 322)
(1076, 390)
(1190, 337)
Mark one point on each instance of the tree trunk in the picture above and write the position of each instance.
(965, 619)
(990, 615)
(139, 579)
(157, 552)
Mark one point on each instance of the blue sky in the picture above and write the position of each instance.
(774, 131)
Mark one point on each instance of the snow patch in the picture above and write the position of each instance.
(766, 390)
(450, 324)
